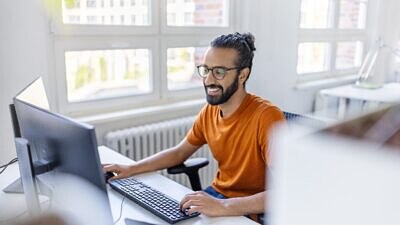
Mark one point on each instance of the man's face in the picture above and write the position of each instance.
(220, 91)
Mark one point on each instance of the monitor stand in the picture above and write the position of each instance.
(15, 187)
(26, 169)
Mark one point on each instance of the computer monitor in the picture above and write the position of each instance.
(58, 146)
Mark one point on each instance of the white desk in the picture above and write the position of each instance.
(387, 94)
(130, 209)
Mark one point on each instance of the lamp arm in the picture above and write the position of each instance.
(371, 65)
(368, 64)
(370, 59)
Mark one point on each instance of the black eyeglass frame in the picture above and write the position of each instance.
(213, 69)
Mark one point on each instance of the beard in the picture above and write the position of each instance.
(225, 96)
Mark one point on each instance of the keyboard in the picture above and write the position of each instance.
(151, 199)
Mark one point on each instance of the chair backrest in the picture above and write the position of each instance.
(304, 120)
(291, 116)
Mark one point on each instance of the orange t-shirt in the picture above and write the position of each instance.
(239, 143)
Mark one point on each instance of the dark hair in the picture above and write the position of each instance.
(242, 43)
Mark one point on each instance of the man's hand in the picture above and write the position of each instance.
(121, 171)
(205, 204)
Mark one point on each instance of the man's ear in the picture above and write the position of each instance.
(244, 73)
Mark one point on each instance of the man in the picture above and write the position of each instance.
(235, 124)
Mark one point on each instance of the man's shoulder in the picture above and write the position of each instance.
(262, 104)
(263, 110)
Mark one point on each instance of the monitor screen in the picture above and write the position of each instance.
(35, 94)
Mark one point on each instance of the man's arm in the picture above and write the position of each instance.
(164, 159)
(205, 204)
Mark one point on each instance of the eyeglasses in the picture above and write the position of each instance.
(218, 72)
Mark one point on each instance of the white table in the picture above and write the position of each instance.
(387, 94)
(130, 209)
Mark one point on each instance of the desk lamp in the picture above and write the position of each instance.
(369, 62)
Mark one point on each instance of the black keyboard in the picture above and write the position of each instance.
(151, 199)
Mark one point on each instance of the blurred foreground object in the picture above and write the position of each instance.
(50, 219)
(381, 127)
(348, 173)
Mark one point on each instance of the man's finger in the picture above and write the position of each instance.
(111, 168)
(190, 204)
(188, 197)
(194, 209)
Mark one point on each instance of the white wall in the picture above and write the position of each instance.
(23, 56)
(274, 72)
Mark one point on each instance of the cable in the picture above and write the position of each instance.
(4, 167)
(120, 210)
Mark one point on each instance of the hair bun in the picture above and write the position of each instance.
(249, 39)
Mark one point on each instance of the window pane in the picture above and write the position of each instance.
(313, 57)
(106, 12)
(353, 14)
(197, 13)
(349, 55)
(181, 64)
(315, 14)
(103, 74)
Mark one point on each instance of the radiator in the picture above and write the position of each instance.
(143, 141)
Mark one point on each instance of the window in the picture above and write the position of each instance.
(332, 36)
(91, 3)
(353, 14)
(212, 13)
(69, 9)
(313, 57)
(91, 20)
(100, 74)
(348, 55)
(121, 54)
(181, 65)
(315, 14)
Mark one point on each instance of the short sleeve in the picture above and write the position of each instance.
(195, 136)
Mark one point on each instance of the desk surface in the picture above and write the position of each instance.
(388, 93)
(130, 209)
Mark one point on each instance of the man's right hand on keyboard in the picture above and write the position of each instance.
(120, 171)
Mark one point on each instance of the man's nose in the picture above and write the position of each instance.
(209, 79)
